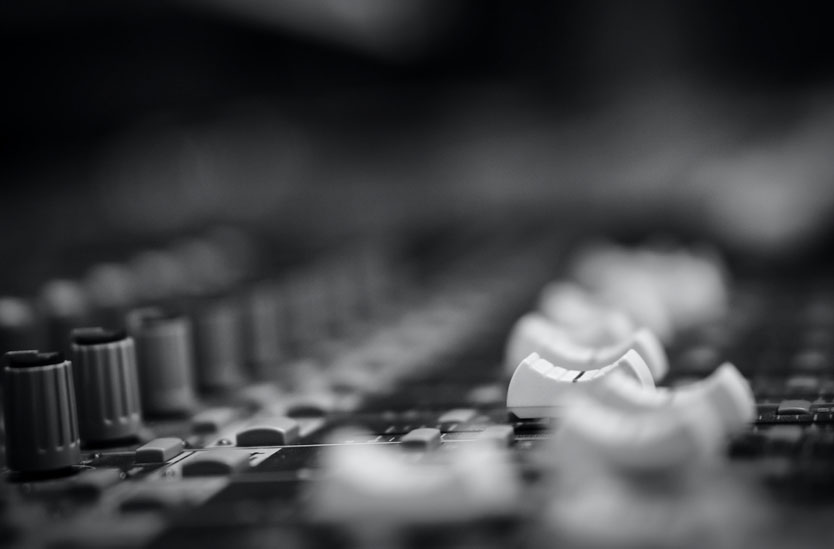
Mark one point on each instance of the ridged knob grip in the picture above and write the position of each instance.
(106, 384)
(41, 423)
(165, 361)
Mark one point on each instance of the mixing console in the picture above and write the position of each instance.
(448, 389)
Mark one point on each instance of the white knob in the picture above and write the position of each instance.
(533, 333)
(539, 389)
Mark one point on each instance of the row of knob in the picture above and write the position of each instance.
(243, 323)
(593, 361)
(156, 366)
(51, 403)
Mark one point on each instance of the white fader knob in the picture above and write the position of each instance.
(725, 390)
(374, 485)
(533, 333)
(652, 440)
(588, 320)
(540, 389)
(638, 429)
(665, 290)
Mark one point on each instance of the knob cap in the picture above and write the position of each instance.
(107, 385)
(655, 440)
(165, 361)
(41, 423)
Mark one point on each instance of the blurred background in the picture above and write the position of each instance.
(138, 120)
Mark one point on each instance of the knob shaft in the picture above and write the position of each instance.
(107, 385)
(165, 361)
(41, 422)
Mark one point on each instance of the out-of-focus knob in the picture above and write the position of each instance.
(65, 306)
(656, 440)
(265, 326)
(218, 345)
(533, 333)
(665, 290)
(368, 484)
(107, 385)
(157, 275)
(725, 390)
(112, 292)
(40, 417)
(588, 321)
(165, 361)
(307, 308)
(18, 325)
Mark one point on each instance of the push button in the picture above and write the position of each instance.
(220, 462)
(792, 407)
(159, 450)
(279, 432)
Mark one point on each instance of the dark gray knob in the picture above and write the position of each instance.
(165, 361)
(265, 328)
(218, 343)
(41, 423)
(106, 384)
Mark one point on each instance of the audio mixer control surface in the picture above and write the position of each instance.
(470, 389)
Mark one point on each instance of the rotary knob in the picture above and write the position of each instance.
(107, 385)
(534, 333)
(218, 344)
(165, 361)
(40, 417)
